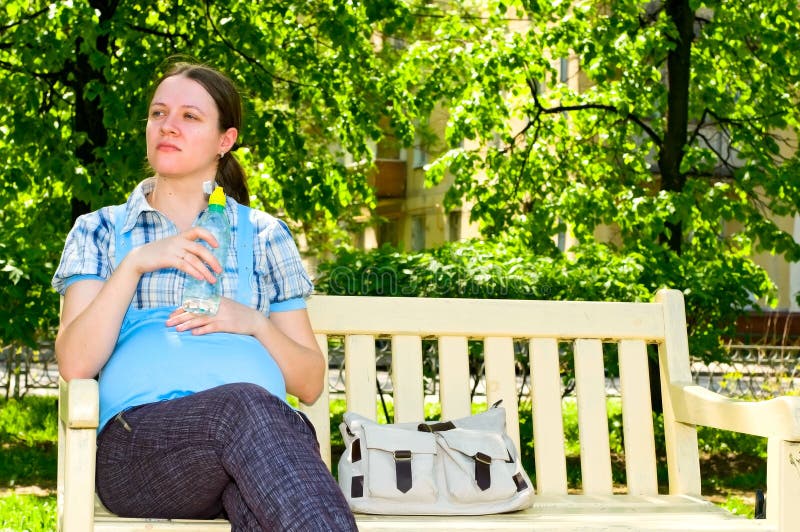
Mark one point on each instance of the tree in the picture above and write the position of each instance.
(679, 133)
(74, 85)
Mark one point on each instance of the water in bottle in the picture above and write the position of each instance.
(200, 296)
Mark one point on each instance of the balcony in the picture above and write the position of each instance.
(389, 179)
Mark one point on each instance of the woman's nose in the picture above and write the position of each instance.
(168, 126)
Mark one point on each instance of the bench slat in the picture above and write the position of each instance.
(318, 412)
(501, 381)
(592, 418)
(360, 374)
(407, 378)
(637, 419)
(683, 455)
(486, 317)
(548, 424)
(454, 377)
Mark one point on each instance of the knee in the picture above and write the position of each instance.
(243, 397)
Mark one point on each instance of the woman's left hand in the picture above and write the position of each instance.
(232, 317)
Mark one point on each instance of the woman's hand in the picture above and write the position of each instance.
(286, 335)
(180, 251)
(232, 317)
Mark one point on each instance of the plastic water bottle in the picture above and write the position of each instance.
(200, 296)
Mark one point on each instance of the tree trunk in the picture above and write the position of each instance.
(88, 112)
(679, 71)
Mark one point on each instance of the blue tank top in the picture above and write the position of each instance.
(152, 362)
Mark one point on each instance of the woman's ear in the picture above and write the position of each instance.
(228, 139)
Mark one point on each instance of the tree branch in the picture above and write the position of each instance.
(533, 85)
(253, 61)
(24, 19)
(10, 67)
(151, 31)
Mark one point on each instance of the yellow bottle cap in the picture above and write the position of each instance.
(217, 197)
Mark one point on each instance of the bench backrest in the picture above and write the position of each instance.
(545, 326)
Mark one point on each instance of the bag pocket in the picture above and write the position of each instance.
(478, 466)
(400, 464)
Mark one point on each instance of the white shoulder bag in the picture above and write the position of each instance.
(466, 466)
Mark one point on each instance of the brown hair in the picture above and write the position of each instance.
(230, 174)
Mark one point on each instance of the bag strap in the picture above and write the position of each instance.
(244, 254)
(122, 240)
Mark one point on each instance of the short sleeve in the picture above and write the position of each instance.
(86, 251)
(281, 274)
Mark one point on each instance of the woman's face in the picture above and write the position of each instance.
(183, 136)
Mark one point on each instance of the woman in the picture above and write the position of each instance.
(193, 422)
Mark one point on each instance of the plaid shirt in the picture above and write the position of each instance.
(278, 274)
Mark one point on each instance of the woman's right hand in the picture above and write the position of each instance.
(93, 310)
(181, 251)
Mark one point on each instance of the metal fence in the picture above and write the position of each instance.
(753, 371)
(26, 370)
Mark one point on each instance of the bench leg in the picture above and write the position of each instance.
(77, 444)
(783, 483)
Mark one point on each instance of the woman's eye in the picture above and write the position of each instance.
(190, 116)
(156, 114)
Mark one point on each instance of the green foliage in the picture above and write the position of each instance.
(72, 118)
(686, 166)
(715, 291)
(28, 433)
(27, 513)
(737, 505)
(686, 182)
(482, 269)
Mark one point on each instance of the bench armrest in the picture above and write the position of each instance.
(79, 405)
(773, 418)
(78, 417)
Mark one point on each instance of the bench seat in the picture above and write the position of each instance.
(593, 335)
(554, 512)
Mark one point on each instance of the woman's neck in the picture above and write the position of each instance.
(179, 200)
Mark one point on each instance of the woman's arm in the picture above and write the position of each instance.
(90, 322)
(288, 336)
(93, 310)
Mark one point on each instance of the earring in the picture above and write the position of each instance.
(221, 154)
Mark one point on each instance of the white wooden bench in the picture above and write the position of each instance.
(545, 325)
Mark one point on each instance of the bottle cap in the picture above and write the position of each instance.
(217, 197)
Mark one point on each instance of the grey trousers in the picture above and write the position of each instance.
(235, 450)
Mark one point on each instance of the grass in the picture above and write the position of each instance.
(27, 513)
(28, 435)
(733, 466)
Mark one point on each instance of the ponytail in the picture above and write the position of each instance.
(231, 177)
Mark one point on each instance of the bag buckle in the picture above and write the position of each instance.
(402, 468)
(483, 458)
(483, 474)
(400, 456)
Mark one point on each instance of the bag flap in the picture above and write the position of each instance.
(389, 438)
(354, 421)
(472, 442)
(493, 419)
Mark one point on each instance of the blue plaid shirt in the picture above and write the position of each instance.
(279, 281)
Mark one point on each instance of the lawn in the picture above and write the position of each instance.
(733, 466)
(28, 435)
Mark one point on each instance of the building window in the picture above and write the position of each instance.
(418, 232)
(454, 226)
(564, 70)
(388, 232)
(420, 156)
